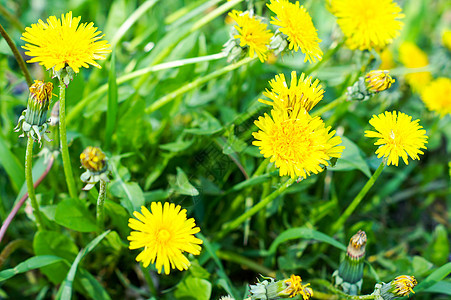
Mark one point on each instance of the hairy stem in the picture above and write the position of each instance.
(63, 139)
(30, 187)
(100, 203)
(17, 55)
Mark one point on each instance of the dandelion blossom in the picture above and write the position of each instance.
(65, 41)
(297, 143)
(301, 91)
(368, 24)
(437, 96)
(413, 57)
(165, 234)
(252, 33)
(296, 23)
(398, 136)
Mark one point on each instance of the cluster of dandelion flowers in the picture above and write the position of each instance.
(165, 233)
(411, 56)
(437, 96)
(252, 33)
(297, 143)
(368, 24)
(302, 91)
(398, 136)
(65, 41)
(295, 22)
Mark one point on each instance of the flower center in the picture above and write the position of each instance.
(163, 235)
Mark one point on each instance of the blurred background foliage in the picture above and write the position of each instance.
(195, 150)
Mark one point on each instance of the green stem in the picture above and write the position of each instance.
(256, 208)
(100, 203)
(199, 81)
(30, 187)
(150, 284)
(17, 55)
(329, 106)
(344, 216)
(78, 108)
(63, 139)
(239, 259)
(338, 292)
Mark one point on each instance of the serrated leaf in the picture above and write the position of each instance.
(351, 159)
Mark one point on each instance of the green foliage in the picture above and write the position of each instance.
(176, 121)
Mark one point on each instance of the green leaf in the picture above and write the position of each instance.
(90, 284)
(66, 287)
(435, 277)
(131, 194)
(208, 125)
(30, 264)
(57, 244)
(351, 159)
(11, 164)
(181, 184)
(72, 213)
(177, 146)
(111, 115)
(442, 287)
(193, 289)
(438, 250)
(304, 233)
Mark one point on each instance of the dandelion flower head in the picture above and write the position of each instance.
(65, 41)
(297, 143)
(412, 56)
(295, 287)
(368, 24)
(252, 33)
(437, 96)
(404, 285)
(398, 136)
(295, 22)
(302, 91)
(446, 39)
(165, 234)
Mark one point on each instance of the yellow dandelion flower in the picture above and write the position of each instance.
(297, 143)
(252, 33)
(368, 24)
(295, 22)
(398, 136)
(403, 285)
(446, 39)
(65, 41)
(165, 234)
(437, 96)
(295, 287)
(301, 91)
(378, 80)
(413, 57)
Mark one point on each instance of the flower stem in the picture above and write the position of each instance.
(63, 139)
(17, 55)
(256, 208)
(329, 106)
(30, 187)
(338, 292)
(100, 203)
(199, 81)
(340, 222)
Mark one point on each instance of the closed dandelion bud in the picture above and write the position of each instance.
(365, 87)
(378, 80)
(286, 288)
(401, 286)
(278, 42)
(33, 120)
(350, 273)
(96, 164)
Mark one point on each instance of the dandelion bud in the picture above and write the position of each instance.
(350, 273)
(378, 80)
(399, 287)
(33, 120)
(279, 42)
(286, 288)
(96, 164)
(365, 87)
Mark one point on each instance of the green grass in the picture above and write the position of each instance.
(176, 121)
